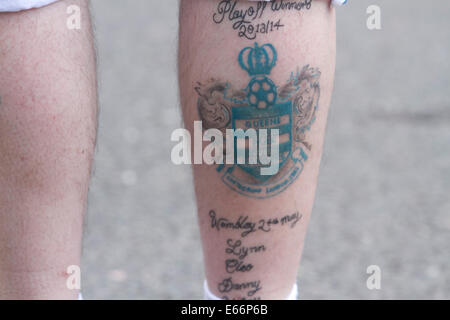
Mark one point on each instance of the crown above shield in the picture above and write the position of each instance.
(258, 60)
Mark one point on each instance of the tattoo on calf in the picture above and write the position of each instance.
(250, 20)
(246, 226)
(238, 253)
(290, 108)
(250, 288)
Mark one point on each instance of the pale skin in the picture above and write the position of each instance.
(209, 50)
(48, 116)
(47, 135)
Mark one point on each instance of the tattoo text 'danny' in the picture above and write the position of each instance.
(290, 108)
(239, 256)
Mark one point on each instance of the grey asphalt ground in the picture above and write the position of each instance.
(383, 195)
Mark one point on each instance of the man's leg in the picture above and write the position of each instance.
(253, 227)
(48, 120)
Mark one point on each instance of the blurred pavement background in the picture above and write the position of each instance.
(383, 195)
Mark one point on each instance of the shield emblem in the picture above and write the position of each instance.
(276, 116)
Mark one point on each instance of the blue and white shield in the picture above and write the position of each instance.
(276, 116)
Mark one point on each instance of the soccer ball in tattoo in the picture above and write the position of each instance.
(289, 109)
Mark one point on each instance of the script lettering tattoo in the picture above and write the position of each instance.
(247, 226)
(249, 20)
(251, 287)
(236, 248)
(239, 252)
(239, 255)
(290, 108)
(237, 264)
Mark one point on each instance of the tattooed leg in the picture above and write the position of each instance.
(262, 65)
(47, 135)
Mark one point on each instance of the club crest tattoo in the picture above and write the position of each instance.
(291, 108)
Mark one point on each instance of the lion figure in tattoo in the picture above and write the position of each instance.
(213, 108)
(304, 91)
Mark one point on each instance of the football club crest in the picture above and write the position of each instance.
(290, 109)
